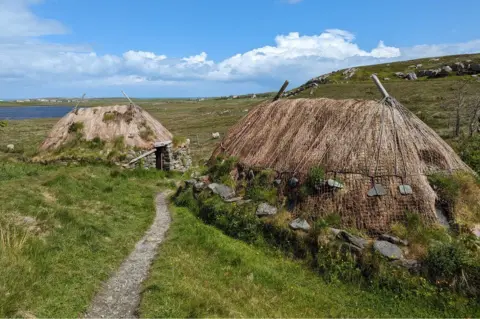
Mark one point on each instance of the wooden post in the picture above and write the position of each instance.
(282, 89)
(76, 106)
(131, 102)
(380, 86)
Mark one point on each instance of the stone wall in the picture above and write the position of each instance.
(176, 159)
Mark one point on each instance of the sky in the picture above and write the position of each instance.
(193, 48)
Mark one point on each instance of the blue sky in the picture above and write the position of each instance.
(201, 48)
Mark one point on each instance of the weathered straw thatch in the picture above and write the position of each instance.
(345, 138)
(138, 128)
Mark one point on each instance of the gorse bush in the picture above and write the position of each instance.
(3, 123)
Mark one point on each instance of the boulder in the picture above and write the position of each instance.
(265, 209)
(411, 76)
(300, 223)
(400, 75)
(386, 79)
(432, 73)
(354, 240)
(277, 182)
(224, 191)
(394, 240)
(387, 249)
(447, 69)
(458, 66)
(418, 66)
(422, 73)
(10, 147)
(411, 264)
(199, 186)
(349, 73)
(475, 67)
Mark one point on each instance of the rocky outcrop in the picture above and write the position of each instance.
(411, 76)
(224, 191)
(349, 73)
(388, 249)
(393, 240)
(300, 224)
(265, 209)
(312, 83)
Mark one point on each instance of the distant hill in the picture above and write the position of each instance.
(427, 97)
(447, 67)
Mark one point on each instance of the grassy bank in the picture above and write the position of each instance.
(202, 272)
(63, 230)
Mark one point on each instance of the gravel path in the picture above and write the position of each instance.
(120, 296)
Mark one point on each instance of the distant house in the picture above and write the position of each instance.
(235, 96)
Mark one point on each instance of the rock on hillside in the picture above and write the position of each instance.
(430, 68)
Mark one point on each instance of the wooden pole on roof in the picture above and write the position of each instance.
(282, 89)
(76, 106)
(131, 102)
(380, 86)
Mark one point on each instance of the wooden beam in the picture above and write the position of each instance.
(142, 156)
(282, 89)
(76, 106)
(131, 102)
(380, 86)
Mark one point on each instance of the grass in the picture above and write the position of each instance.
(64, 230)
(201, 272)
(25, 135)
(84, 220)
(387, 70)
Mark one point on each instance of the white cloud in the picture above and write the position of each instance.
(17, 20)
(27, 61)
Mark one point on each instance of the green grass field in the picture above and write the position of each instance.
(63, 230)
(200, 272)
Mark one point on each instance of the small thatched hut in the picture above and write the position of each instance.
(359, 144)
(138, 128)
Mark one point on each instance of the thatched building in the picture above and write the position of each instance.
(376, 156)
(138, 128)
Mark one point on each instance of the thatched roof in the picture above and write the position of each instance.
(138, 128)
(345, 138)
